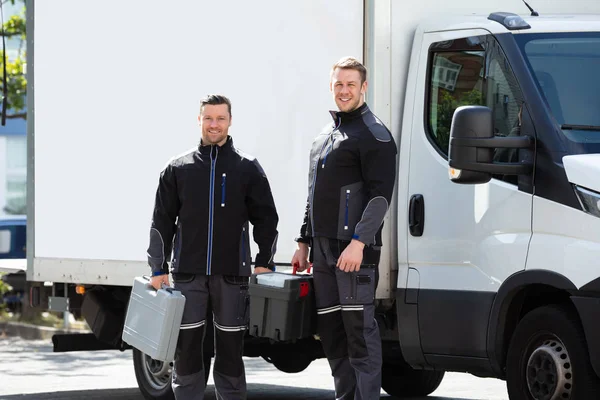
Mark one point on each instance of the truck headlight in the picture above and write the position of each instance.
(589, 200)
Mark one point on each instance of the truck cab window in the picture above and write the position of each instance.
(472, 71)
(565, 67)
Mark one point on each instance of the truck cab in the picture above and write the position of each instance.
(498, 202)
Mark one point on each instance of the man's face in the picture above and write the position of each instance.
(347, 90)
(214, 122)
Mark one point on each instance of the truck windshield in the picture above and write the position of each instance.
(566, 67)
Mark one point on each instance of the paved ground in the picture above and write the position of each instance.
(29, 370)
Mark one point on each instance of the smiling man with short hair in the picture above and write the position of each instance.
(351, 180)
(204, 202)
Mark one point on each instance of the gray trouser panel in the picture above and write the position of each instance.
(346, 323)
(229, 299)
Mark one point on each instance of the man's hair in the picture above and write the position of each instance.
(351, 63)
(215, 99)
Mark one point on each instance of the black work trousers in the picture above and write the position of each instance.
(229, 300)
(346, 320)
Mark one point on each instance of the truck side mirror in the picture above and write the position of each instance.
(472, 144)
(470, 122)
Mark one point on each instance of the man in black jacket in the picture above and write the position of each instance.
(204, 201)
(351, 180)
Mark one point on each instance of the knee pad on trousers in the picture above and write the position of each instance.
(229, 351)
(188, 355)
(355, 331)
(333, 335)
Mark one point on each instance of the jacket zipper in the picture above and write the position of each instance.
(316, 168)
(244, 246)
(346, 213)
(312, 194)
(223, 179)
(211, 191)
(177, 248)
(332, 142)
(328, 151)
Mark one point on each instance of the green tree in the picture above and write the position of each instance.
(4, 288)
(447, 104)
(14, 29)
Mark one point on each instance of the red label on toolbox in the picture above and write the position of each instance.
(304, 289)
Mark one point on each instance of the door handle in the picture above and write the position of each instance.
(416, 215)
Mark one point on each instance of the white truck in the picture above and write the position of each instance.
(490, 262)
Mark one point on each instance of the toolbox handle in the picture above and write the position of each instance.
(162, 285)
(167, 288)
(296, 265)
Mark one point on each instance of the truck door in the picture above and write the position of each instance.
(465, 240)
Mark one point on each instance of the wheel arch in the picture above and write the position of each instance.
(519, 294)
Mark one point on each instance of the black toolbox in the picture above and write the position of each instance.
(282, 306)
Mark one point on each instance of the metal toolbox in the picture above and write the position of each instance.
(153, 319)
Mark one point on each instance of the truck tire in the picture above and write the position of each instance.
(402, 381)
(548, 358)
(154, 377)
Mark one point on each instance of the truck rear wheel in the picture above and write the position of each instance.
(153, 377)
(548, 358)
(401, 381)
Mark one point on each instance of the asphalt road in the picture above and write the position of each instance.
(29, 370)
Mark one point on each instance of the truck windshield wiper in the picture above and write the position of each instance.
(580, 127)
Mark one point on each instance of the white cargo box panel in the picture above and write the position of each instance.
(106, 121)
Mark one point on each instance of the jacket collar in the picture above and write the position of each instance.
(340, 116)
(226, 147)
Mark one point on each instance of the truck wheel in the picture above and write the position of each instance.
(548, 358)
(401, 381)
(153, 377)
(289, 363)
